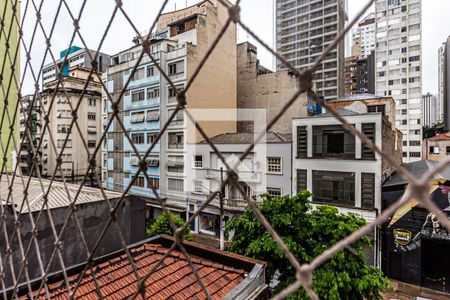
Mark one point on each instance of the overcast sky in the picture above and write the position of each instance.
(257, 14)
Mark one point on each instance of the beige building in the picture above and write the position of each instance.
(437, 147)
(260, 88)
(75, 158)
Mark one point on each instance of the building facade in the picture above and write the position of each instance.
(30, 132)
(441, 80)
(338, 168)
(399, 67)
(260, 88)
(77, 154)
(444, 83)
(178, 45)
(437, 147)
(76, 57)
(303, 29)
(359, 75)
(9, 44)
(430, 109)
(267, 169)
(364, 35)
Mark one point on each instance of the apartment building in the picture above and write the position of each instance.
(76, 155)
(441, 80)
(359, 75)
(437, 147)
(267, 169)
(337, 167)
(303, 29)
(29, 135)
(430, 109)
(364, 35)
(399, 67)
(260, 88)
(444, 82)
(178, 45)
(76, 56)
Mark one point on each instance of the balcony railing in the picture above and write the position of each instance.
(248, 176)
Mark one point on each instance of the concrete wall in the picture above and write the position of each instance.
(441, 144)
(266, 91)
(92, 217)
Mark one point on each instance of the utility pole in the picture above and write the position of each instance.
(222, 223)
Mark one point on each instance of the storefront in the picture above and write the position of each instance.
(415, 247)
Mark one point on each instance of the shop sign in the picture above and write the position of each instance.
(402, 237)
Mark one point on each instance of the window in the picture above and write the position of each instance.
(369, 131)
(139, 74)
(302, 142)
(274, 192)
(92, 102)
(414, 58)
(198, 161)
(336, 188)
(91, 143)
(333, 141)
(137, 117)
(172, 69)
(174, 184)
(176, 140)
(137, 138)
(63, 128)
(301, 180)
(152, 93)
(414, 143)
(415, 154)
(377, 108)
(152, 115)
(137, 96)
(60, 143)
(66, 157)
(92, 130)
(92, 116)
(447, 150)
(367, 190)
(175, 164)
(434, 150)
(198, 187)
(153, 183)
(139, 181)
(150, 71)
(151, 137)
(274, 165)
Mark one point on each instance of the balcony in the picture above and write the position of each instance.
(246, 176)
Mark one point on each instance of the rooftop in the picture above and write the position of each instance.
(248, 138)
(357, 97)
(340, 111)
(57, 196)
(440, 137)
(174, 279)
(417, 169)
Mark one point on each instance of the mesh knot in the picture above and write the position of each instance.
(305, 275)
(305, 80)
(234, 13)
(181, 98)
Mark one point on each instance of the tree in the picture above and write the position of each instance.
(308, 232)
(162, 226)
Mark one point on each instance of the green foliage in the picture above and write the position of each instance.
(308, 232)
(162, 226)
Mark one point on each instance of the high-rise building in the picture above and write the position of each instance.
(180, 42)
(9, 42)
(444, 82)
(430, 109)
(399, 67)
(360, 75)
(76, 56)
(303, 29)
(83, 139)
(364, 36)
(441, 84)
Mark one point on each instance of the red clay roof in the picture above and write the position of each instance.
(174, 279)
(441, 136)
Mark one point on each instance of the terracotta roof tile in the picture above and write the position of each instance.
(173, 279)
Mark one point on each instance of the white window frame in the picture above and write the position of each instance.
(274, 188)
(197, 186)
(268, 165)
(198, 166)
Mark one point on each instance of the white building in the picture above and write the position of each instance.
(336, 166)
(441, 80)
(399, 67)
(303, 29)
(267, 169)
(430, 109)
(365, 35)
